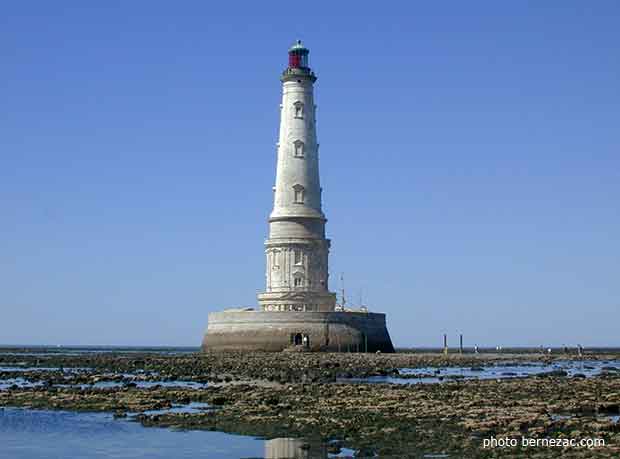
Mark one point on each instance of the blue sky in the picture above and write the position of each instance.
(469, 157)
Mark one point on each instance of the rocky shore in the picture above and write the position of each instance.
(296, 395)
(280, 367)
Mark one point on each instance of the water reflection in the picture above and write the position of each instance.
(294, 448)
(39, 434)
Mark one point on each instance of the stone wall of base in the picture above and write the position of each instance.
(275, 331)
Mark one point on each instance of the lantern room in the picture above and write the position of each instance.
(298, 56)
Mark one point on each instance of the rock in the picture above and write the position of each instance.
(609, 408)
(553, 374)
(585, 409)
(334, 448)
(219, 401)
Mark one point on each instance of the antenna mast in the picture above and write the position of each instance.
(344, 300)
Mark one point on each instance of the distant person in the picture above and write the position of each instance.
(549, 350)
(475, 349)
(580, 350)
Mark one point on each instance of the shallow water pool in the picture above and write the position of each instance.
(429, 375)
(43, 434)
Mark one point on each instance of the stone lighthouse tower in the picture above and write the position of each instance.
(297, 250)
(297, 310)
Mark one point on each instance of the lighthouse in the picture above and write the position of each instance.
(297, 311)
(297, 251)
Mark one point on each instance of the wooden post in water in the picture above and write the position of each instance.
(445, 344)
(461, 343)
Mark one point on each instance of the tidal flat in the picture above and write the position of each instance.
(418, 404)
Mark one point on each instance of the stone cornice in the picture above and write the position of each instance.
(292, 242)
(291, 74)
(287, 213)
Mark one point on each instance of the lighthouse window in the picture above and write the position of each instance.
(297, 257)
(299, 148)
(300, 194)
(298, 282)
(299, 109)
(274, 259)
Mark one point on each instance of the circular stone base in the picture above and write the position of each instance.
(276, 331)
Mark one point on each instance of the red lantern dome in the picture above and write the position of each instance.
(298, 56)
